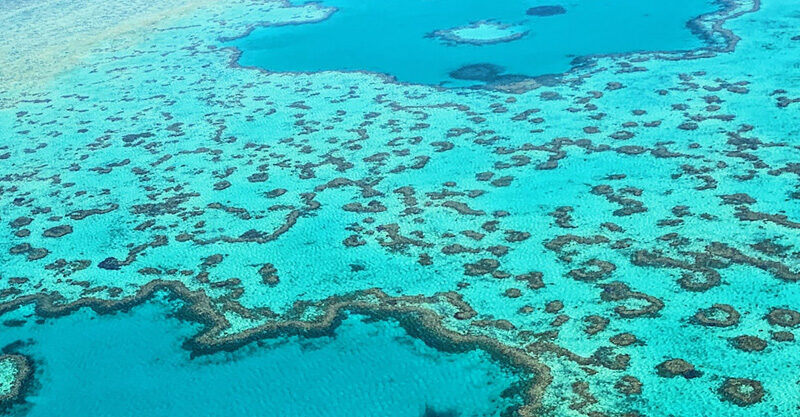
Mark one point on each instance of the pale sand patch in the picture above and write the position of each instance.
(42, 39)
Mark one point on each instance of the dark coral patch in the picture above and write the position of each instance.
(677, 367)
(483, 266)
(269, 275)
(718, 315)
(545, 11)
(477, 72)
(15, 393)
(699, 281)
(623, 339)
(534, 279)
(554, 306)
(20, 222)
(111, 264)
(783, 336)
(741, 391)
(58, 231)
(597, 269)
(595, 324)
(783, 317)
(749, 343)
(629, 385)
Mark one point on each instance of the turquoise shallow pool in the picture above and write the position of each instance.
(604, 224)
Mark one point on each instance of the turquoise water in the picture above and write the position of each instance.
(623, 236)
(389, 37)
(132, 364)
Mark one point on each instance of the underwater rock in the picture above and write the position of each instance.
(711, 316)
(783, 317)
(741, 391)
(534, 279)
(354, 241)
(20, 222)
(629, 385)
(783, 336)
(689, 280)
(605, 356)
(603, 268)
(623, 339)
(545, 11)
(484, 32)
(477, 72)
(462, 208)
(58, 231)
(595, 324)
(258, 177)
(677, 367)
(737, 199)
(749, 343)
(110, 263)
(554, 306)
(619, 291)
(269, 275)
(483, 266)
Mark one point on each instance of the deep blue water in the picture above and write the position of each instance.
(132, 364)
(390, 36)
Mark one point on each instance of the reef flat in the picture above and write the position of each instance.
(620, 235)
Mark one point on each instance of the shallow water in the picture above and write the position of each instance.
(626, 234)
(132, 364)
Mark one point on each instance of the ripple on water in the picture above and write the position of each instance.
(132, 363)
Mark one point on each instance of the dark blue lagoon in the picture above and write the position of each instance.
(424, 41)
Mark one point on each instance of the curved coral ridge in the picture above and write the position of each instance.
(15, 374)
(485, 32)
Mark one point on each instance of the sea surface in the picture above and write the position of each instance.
(411, 208)
(132, 364)
(397, 37)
